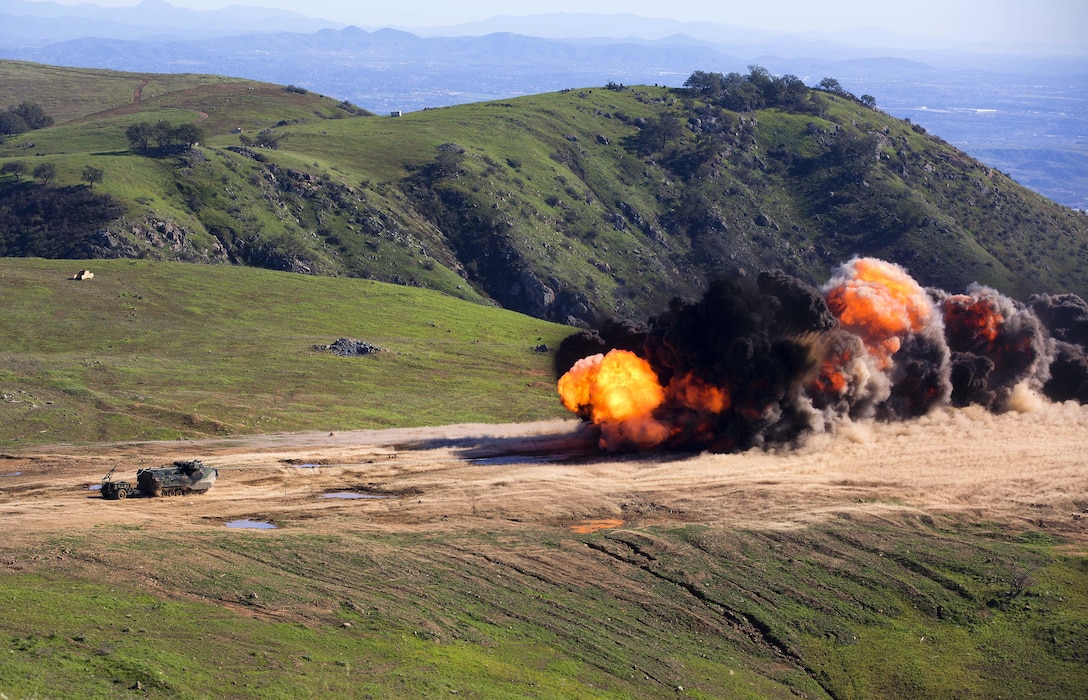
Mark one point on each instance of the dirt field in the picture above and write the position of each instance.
(1019, 468)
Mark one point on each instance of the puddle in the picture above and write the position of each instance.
(299, 464)
(250, 525)
(352, 495)
(12, 474)
(587, 526)
(516, 459)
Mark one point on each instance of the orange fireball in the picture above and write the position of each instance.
(879, 302)
(831, 379)
(614, 387)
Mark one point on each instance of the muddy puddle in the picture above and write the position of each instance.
(354, 495)
(250, 525)
(518, 459)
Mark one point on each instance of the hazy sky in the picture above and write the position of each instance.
(1002, 21)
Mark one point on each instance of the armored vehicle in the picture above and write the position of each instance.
(116, 489)
(182, 477)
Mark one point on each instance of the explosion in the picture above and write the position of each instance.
(879, 302)
(995, 345)
(618, 391)
(618, 386)
(693, 393)
(771, 362)
(971, 320)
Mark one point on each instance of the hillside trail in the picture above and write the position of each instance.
(138, 91)
(1022, 469)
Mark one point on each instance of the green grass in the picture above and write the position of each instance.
(551, 185)
(74, 93)
(859, 609)
(162, 350)
(105, 641)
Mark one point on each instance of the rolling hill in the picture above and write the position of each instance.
(943, 557)
(165, 350)
(569, 206)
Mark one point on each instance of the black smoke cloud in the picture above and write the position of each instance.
(1065, 317)
(753, 338)
(990, 358)
(792, 367)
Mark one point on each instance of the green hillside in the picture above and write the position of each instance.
(567, 206)
(903, 604)
(855, 609)
(153, 350)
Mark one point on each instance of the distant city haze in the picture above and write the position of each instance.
(1004, 80)
(951, 22)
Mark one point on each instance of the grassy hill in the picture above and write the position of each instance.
(849, 610)
(155, 350)
(568, 206)
(485, 204)
(844, 607)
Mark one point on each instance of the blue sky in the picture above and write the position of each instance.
(997, 21)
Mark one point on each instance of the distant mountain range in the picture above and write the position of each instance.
(34, 24)
(1025, 115)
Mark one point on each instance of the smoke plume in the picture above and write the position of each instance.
(772, 360)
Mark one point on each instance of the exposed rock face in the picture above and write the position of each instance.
(153, 238)
(535, 297)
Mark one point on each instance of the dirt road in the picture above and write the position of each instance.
(1027, 468)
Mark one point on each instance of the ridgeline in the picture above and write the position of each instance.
(524, 581)
(569, 206)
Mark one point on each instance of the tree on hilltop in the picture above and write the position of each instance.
(33, 114)
(162, 131)
(747, 93)
(165, 135)
(833, 85)
(139, 136)
(11, 124)
(25, 117)
(705, 83)
(657, 133)
(187, 135)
